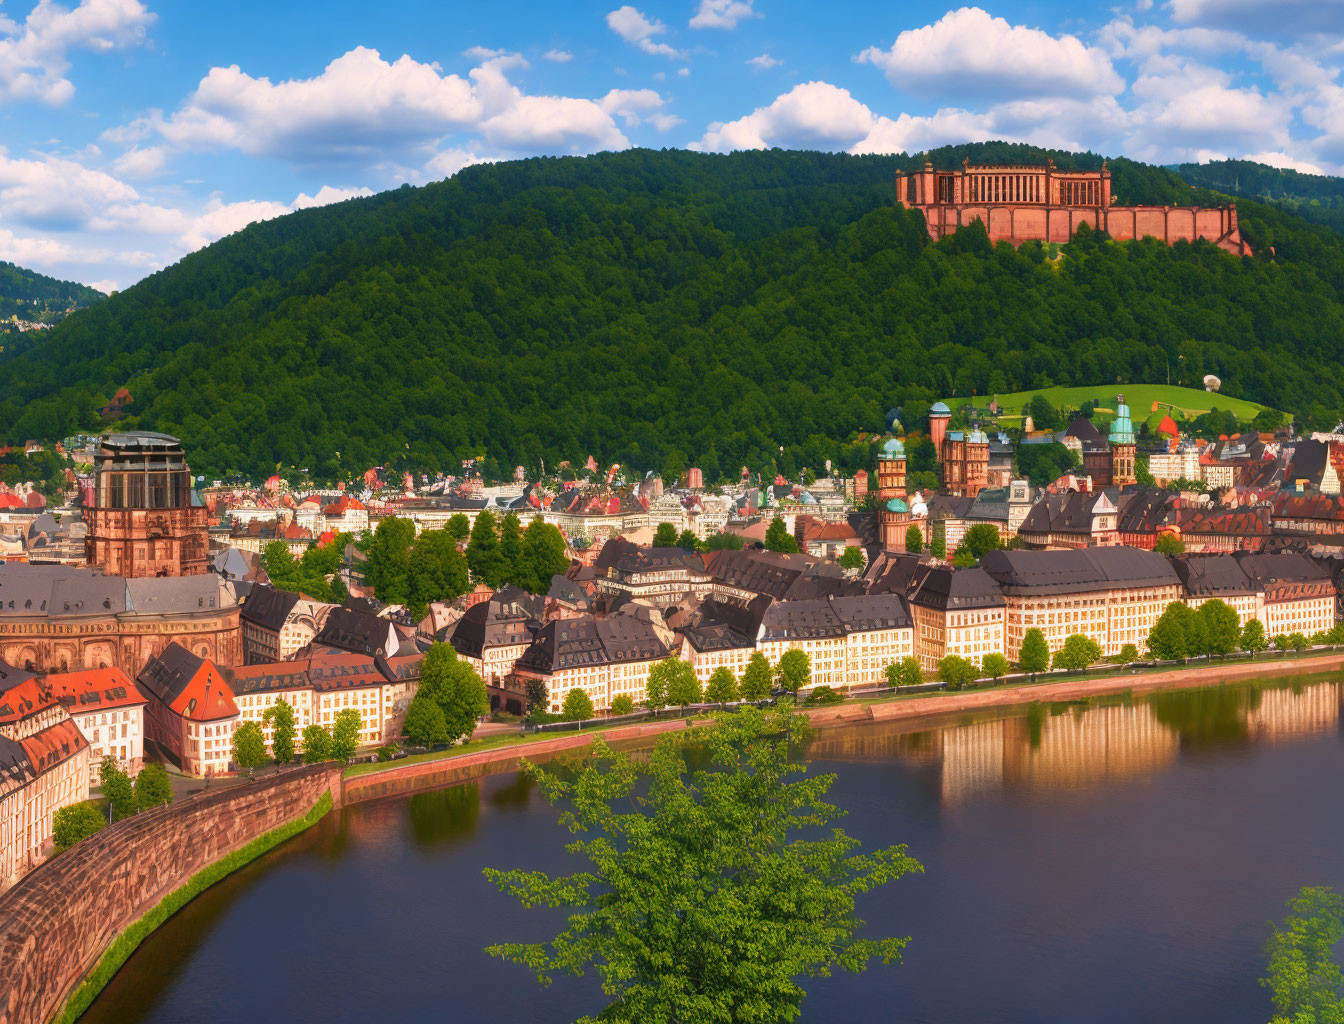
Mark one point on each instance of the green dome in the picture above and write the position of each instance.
(897, 505)
(1122, 430)
(893, 449)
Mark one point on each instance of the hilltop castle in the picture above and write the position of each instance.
(1017, 203)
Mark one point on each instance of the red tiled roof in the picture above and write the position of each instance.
(94, 689)
(54, 744)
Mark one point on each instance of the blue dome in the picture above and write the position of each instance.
(892, 449)
(897, 505)
(939, 409)
(978, 437)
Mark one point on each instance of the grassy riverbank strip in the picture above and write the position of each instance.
(126, 943)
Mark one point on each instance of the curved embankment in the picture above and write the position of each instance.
(58, 920)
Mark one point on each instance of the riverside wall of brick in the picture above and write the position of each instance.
(57, 921)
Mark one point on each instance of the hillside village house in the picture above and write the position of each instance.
(849, 641)
(606, 658)
(955, 612)
(110, 712)
(492, 635)
(276, 624)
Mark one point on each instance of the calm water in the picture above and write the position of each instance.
(1115, 862)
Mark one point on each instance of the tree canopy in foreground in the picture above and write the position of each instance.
(764, 887)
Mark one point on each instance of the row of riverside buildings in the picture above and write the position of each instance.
(718, 609)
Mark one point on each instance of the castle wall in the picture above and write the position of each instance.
(56, 922)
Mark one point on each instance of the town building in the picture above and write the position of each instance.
(955, 612)
(1073, 519)
(964, 462)
(55, 618)
(44, 765)
(849, 641)
(606, 658)
(277, 624)
(109, 710)
(1017, 203)
(1111, 595)
(144, 520)
(663, 576)
(492, 635)
(190, 711)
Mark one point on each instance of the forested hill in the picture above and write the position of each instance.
(33, 296)
(660, 308)
(1317, 197)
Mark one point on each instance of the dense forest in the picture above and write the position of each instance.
(661, 309)
(33, 296)
(1318, 198)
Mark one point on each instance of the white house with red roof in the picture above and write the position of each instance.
(109, 710)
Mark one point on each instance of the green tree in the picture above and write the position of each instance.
(938, 546)
(1221, 626)
(1128, 655)
(723, 542)
(316, 744)
(757, 678)
(962, 558)
(536, 695)
(957, 671)
(980, 540)
(437, 571)
(249, 746)
(345, 734)
(456, 687)
(484, 557)
(1169, 544)
(280, 716)
(665, 536)
(851, 558)
(153, 787)
(820, 696)
(914, 539)
(795, 670)
(74, 822)
(672, 682)
(387, 560)
(1298, 641)
(1177, 633)
(1035, 653)
(621, 704)
(995, 666)
(1079, 651)
(117, 789)
(425, 725)
(722, 686)
(511, 546)
(907, 673)
(1305, 983)
(544, 556)
(777, 538)
(688, 540)
(1253, 637)
(459, 525)
(741, 828)
(577, 707)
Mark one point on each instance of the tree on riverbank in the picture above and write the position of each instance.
(117, 789)
(1304, 981)
(1079, 651)
(1035, 653)
(753, 904)
(280, 717)
(316, 744)
(756, 678)
(74, 822)
(249, 746)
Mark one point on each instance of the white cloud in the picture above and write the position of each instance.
(722, 13)
(558, 56)
(813, 115)
(666, 122)
(632, 26)
(553, 124)
(56, 194)
(1285, 161)
(481, 53)
(630, 104)
(35, 55)
(969, 53)
(764, 62)
(448, 162)
(1277, 17)
(140, 163)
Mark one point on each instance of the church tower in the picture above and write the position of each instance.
(1122, 446)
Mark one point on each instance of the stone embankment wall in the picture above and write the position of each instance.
(57, 921)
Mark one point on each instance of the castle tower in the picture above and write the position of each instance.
(939, 414)
(976, 475)
(1122, 446)
(894, 517)
(142, 521)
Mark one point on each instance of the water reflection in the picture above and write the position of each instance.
(443, 816)
(1080, 744)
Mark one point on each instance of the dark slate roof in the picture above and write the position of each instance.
(800, 620)
(949, 589)
(1212, 575)
(716, 636)
(54, 591)
(268, 607)
(1309, 461)
(949, 506)
(565, 589)
(869, 612)
(623, 556)
(1086, 432)
(1077, 571)
(166, 676)
(11, 676)
(629, 638)
(1060, 513)
(173, 594)
(1143, 509)
(492, 623)
(578, 643)
(358, 632)
(1274, 568)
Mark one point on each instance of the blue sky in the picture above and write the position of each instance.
(135, 131)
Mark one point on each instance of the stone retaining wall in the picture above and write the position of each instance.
(57, 921)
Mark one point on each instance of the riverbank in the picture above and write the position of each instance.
(370, 782)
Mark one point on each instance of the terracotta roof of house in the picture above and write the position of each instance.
(21, 694)
(94, 689)
(189, 686)
(51, 746)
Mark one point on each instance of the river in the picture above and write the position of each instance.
(1114, 861)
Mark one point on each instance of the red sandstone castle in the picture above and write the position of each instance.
(1017, 203)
